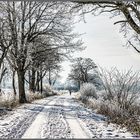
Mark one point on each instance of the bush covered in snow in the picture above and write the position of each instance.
(34, 96)
(48, 91)
(8, 100)
(119, 100)
(121, 86)
(87, 90)
(47, 88)
(129, 118)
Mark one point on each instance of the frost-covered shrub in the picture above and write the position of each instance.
(8, 100)
(49, 91)
(121, 86)
(34, 96)
(88, 90)
(119, 100)
(95, 79)
(129, 118)
(47, 88)
(93, 103)
(55, 92)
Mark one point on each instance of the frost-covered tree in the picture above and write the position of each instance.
(71, 85)
(53, 74)
(27, 21)
(42, 57)
(95, 79)
(5, 42)
(81, 70)
(128, 13)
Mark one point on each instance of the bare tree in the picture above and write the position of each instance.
(121, 86)
(47, 56)
(13, 82)
(53, 74)
(128, 11)
(3, 72)
(5, 42)
(81, 69)
(28, 20)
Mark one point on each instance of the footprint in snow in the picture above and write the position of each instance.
(109, 133)
(109, 130)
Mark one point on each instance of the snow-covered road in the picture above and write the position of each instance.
(58, 117)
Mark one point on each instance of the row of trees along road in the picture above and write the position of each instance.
(24, 24)
(35, 37)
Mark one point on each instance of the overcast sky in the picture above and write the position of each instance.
(104, 45)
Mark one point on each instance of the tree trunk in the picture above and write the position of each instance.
(13, 83)
(29, 75)
(4, 70)
(22, 96)
(50, 82)
(41, 82)
(32, 80)
(79, 84)
(37, 82)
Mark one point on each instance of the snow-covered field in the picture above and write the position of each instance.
(58, 117)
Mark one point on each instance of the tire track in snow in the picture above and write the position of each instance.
(56, 125)
(71, 117)
(15, 125)
(97, 124)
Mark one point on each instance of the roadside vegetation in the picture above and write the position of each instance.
(118, 100)
(35, 37)
(9, 100)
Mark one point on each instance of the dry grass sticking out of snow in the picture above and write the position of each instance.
(119, 100)
(9, 100)
(129, 118)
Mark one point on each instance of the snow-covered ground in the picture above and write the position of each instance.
(58, 117)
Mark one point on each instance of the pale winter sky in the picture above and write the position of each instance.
(104, 45)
